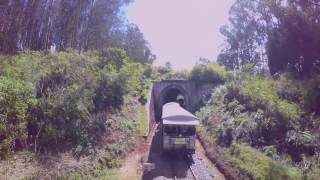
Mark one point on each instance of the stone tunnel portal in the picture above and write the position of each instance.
(187, 93)
(173, 93)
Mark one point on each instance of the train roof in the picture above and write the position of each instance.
(173, 114)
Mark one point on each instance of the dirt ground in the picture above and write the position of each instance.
(132, 168)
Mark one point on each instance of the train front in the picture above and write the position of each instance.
(178, 128)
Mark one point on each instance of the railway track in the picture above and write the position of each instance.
(197, 168)
(175, 166)
(189, 168)
(193, 173)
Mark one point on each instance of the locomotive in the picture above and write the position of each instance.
(178, 129)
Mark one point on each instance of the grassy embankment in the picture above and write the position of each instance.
(66, 115)
(261, 127)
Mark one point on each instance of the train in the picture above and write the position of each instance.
(178, 129)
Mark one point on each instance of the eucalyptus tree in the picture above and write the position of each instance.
(78, 24)
(285, 33)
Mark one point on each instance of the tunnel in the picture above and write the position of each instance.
(172, 94)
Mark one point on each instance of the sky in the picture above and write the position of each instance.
(181, 31)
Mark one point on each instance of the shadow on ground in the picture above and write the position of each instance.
(166, 165)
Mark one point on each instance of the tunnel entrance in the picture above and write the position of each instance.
(174, 95)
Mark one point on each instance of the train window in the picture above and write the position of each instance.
(188, 131)
(171, 130)
(178, 130)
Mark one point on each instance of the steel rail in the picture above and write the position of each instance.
(188, 158)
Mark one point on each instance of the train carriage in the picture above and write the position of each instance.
(178, 129)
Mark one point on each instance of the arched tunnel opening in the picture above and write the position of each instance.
(174, 95)
(171, 94)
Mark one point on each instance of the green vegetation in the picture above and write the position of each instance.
(142, 121)
(98, 172)
(89, 100)
(280, 34)
(167, 73)
(209, 73)
(68, 101)
(15, 100)
(270, 116)
(258, 166)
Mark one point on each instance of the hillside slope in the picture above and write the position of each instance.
(259, 127)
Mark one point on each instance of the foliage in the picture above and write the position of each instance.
(288, 88)
(97, 172)
(257, 165)
(142, 123)
(233, 107)
(292, 43)
(61, 25)
(244, 36)
(311, 95)
(270, 150)
(302, 140)
(210, 73)
(268, 114)
(260, 92)
(117, 77)
(167, 73)
(281, 34)
(75, 94)
(16, 99)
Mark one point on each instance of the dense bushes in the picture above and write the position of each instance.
(210, 73)
(15, 100)
(52, 100)
(261, 93)
(269, 114)
(258, 166)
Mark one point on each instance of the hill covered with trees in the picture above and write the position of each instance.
(62, 24)
(263, 121)
(73, 82)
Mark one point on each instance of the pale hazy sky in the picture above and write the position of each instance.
(181, 31)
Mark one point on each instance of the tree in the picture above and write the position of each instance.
(286, 31)
(136, 46)
(78, 24)
(244, 36)
(294, 44)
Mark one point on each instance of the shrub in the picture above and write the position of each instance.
(289, 111)
(270, 150)
(210, 73)
(132, 73)
(233, 107)
(258, 166)
(63, 117)
(114, 83)
(273, 115)
(260, 93)
(311, 95)
(72, 90)
(287, 88)
(112, 57)
(15, 100)
(110, 91)
(302, 139)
